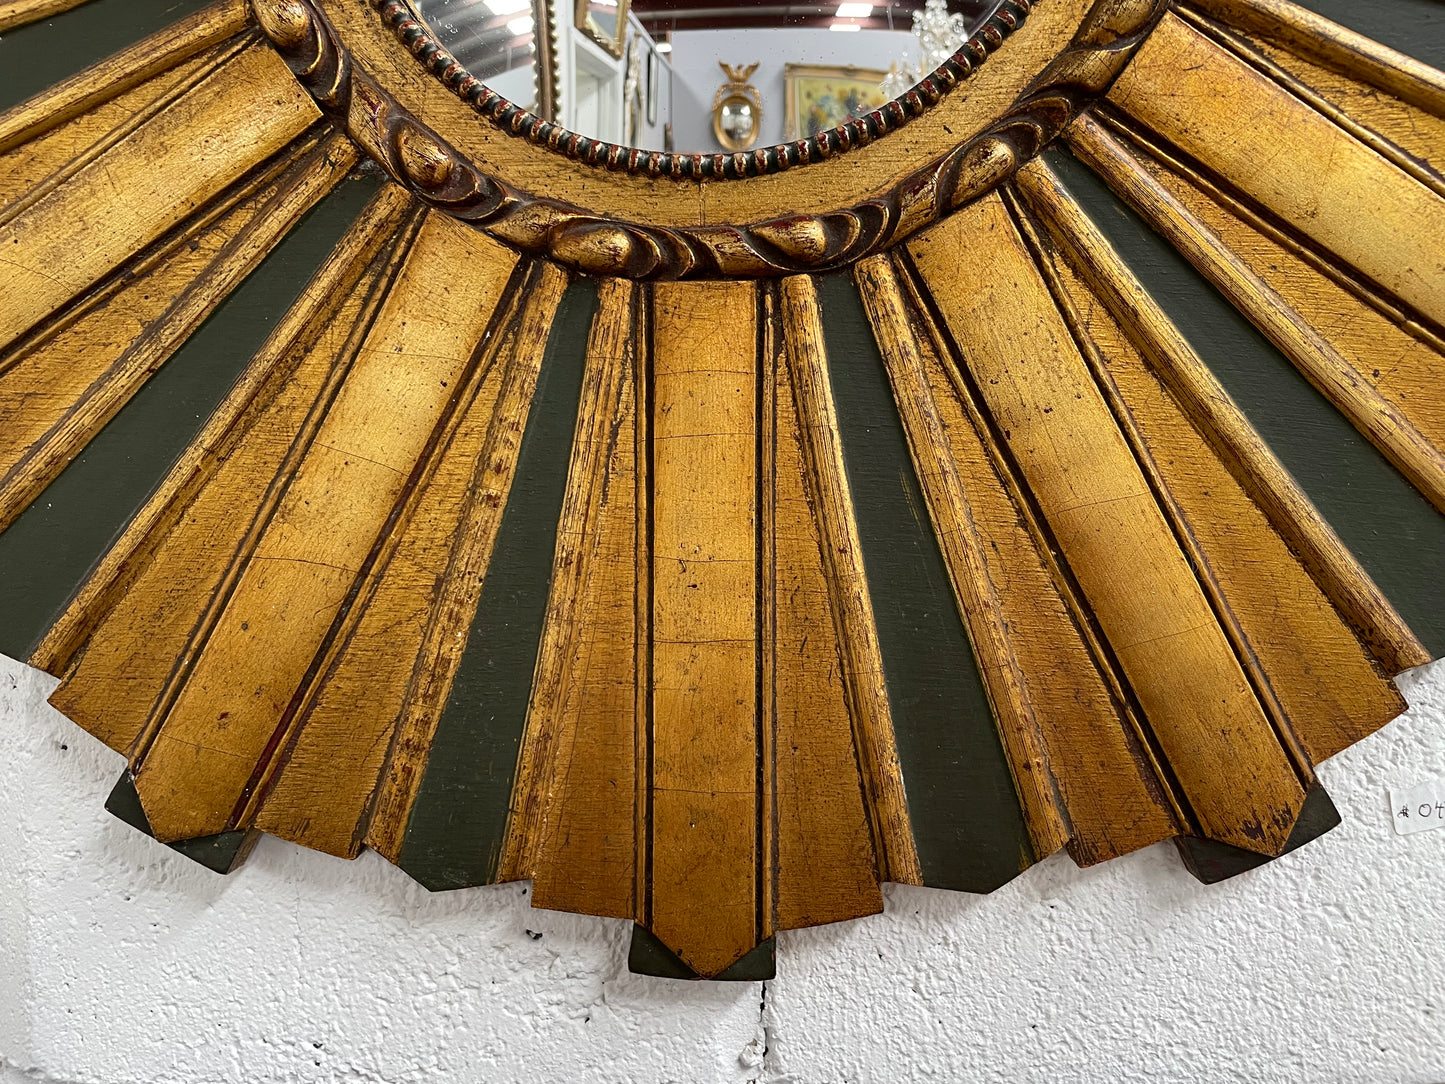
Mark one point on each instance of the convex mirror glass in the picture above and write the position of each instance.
(701, 76)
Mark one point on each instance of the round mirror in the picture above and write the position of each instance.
(737, 111)
(701, 76)
(736, 125)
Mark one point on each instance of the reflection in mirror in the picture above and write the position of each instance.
(605, 22)
(701, 76)
(504, 43)
(737, 109)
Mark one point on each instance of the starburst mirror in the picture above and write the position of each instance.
(418, 433)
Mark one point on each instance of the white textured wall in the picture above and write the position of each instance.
(122, 963)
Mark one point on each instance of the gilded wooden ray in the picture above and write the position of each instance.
(1053, 462)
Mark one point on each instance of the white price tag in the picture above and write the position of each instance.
(1418, 808)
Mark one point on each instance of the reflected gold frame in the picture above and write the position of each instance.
(615, 44)
(737, 89)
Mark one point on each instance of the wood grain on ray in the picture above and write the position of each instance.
(1204, 399)
(841, 815)
(1313, 37)
(15, 13)
(375, 684)
(339, 520)
(573, 825)
(1384, 369)
(134, 624)
(144, 105)
(1101, 510)
(87, 58)
(1293, 161)
(161, 173)
(456, 826)
(1165, 161)
(1092, 352)
(312, 538)
(1114, 794)
(1327, 686)
(1386, 426)
(963, 549)
(704, 725)
(61, 385)
(239, 449)
(1211, 520)
(862, 664)
(1410, 138)
(91, 89)
(967, 823)
(1395, 534)
(34, 147)
(441, 808)
(1379, 119)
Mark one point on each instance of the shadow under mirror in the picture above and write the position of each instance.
(701, 76)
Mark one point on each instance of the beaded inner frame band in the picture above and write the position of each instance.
(855, 132)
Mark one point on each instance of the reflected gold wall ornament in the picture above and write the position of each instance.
(737, 108)
(711, 538)
(547, 74)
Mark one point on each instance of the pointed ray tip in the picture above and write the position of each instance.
(1212, 862)
(650, 955)
(221, 853)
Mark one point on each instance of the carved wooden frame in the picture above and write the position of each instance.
(1142, 618)
(524, 203)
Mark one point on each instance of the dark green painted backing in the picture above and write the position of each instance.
(454, 835)
(756, 965)
(36, 56)
(220, 853)
(966, 816)
(649, 955)
(1414, 27)
(48, 551)
(1394, 532)
(1212, 862)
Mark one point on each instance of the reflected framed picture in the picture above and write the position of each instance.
(819, 97)
(605, 22)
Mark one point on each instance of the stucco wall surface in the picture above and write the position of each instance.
(122, 963)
